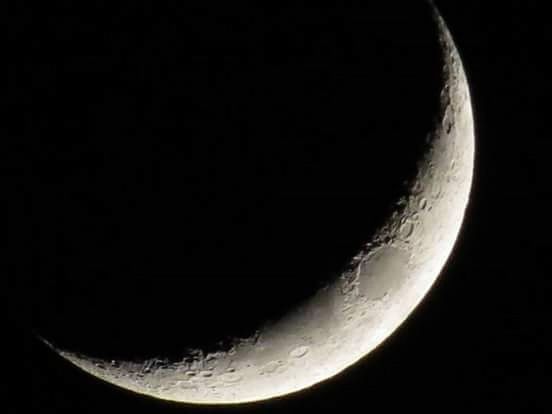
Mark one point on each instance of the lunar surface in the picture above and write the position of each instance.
(349, 317)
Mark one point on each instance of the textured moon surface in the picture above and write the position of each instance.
(348, 318)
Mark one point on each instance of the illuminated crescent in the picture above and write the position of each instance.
(351, 316)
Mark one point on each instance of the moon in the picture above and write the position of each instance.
(351, 316)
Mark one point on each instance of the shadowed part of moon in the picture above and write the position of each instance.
(204, 202)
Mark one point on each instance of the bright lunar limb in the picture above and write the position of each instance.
(350, 317)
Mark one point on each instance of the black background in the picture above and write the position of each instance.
(208, 228)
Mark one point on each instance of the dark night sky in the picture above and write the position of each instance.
(132, 165)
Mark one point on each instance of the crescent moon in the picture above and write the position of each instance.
(347, 319)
